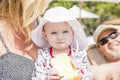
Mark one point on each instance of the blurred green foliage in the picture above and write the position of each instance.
(105, 10)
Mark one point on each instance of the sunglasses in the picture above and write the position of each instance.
(105, 40)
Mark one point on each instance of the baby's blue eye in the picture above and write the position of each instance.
(53, 32)
(65, 31)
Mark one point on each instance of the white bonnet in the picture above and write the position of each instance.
(60, 14)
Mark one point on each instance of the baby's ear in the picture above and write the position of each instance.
(44, 35)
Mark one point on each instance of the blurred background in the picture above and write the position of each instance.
(92, 13)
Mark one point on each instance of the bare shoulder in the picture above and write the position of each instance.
(2, 50)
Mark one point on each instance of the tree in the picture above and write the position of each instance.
(105, 10)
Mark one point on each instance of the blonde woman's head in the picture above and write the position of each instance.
(20, 15)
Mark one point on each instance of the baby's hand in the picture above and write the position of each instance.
(53, 75)
(75, 65)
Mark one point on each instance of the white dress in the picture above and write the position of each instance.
(43, 65)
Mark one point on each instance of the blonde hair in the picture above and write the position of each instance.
(21, 15)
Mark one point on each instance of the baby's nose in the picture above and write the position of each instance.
(60, 36)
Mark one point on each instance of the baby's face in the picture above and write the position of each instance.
(59, 35)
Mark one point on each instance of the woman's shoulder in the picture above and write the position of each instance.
(12, 65)
(2, 49)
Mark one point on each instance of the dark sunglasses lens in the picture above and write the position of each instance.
(103, 41)
(113, 35)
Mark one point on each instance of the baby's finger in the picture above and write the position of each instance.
(53, 77)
